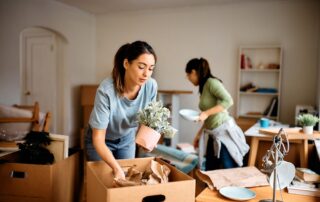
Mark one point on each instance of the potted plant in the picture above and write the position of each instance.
(153, 122)
(307, 121)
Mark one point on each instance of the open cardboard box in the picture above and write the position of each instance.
(59, 181)
(180, 187)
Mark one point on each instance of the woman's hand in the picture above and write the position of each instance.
(98, 139)
(119, 174)
(197, 139)
(203, 116)
(196, 142)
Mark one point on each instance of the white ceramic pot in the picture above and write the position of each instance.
(147, 137)
(308, 130)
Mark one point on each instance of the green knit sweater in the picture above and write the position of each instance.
(214, 93)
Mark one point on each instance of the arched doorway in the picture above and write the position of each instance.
(40, 80)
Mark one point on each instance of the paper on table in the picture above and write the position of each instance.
(241, 177)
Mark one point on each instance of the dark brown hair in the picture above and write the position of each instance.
(202, 68)
(130, 52)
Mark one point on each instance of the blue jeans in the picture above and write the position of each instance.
(122, 148)
(225, 160)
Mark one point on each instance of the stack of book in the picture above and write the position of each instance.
(306, 182)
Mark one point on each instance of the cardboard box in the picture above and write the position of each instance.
(59, 146)
(181, 187)
(31, 182)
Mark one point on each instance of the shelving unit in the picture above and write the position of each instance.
(171, 100)
(259, 81)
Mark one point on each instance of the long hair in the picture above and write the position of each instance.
(130, 52)
(202, 68)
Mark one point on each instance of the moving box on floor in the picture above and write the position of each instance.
(180, 187)
(59, 181)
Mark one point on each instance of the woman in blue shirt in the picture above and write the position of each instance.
(112, 124)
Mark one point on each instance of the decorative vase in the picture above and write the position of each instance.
(147, 137)
(308, 130)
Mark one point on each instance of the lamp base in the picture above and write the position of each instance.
(269, 200)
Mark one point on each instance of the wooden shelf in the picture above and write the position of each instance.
(261, 68)
(253, 70)
(259, 94)
(172, 98)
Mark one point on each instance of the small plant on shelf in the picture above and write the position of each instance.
(307, 120)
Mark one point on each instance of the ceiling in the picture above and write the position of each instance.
(108, 6)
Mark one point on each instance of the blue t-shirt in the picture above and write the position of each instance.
(119, 114)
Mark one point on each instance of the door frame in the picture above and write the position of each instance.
(39, 31)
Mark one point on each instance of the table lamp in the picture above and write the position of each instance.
(280, 173)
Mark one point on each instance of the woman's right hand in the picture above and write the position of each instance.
(119, 174)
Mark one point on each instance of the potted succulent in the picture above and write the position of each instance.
(307, 121)
(153, 122)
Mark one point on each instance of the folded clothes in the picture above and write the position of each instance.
(183, 161)
(266, 90)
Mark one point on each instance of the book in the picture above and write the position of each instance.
(272, 109)
(307, 175)
(301, 183)
(253, 89)
(309, 191)
(246, 87)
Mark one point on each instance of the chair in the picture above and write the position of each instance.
(23, 119)
(36, 119)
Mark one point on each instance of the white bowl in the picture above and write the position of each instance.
(189, 114)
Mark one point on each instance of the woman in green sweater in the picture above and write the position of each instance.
(226, 144)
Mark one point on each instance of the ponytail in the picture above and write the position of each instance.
(202, 68)
(118, 68)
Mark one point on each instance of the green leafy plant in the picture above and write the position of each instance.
(307, 120)
(156, 117)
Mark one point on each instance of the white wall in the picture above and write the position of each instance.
(78, 56)
(216, 32)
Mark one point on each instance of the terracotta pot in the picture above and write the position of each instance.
(147, 137)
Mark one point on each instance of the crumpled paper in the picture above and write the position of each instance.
(155, 173)
(241, 177)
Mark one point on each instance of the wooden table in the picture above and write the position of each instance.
(294, 136)
(265, 192)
